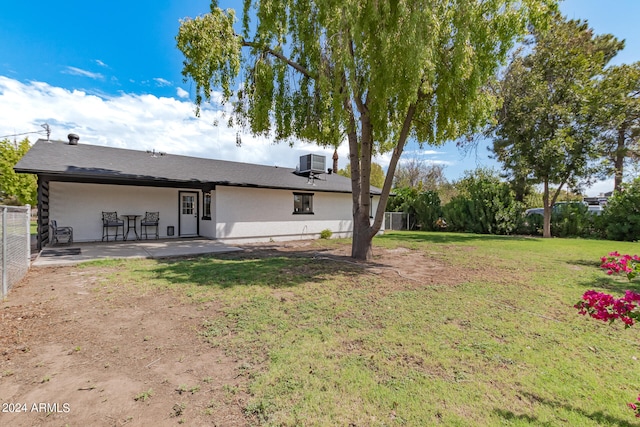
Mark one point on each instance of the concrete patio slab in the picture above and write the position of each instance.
(69, 255)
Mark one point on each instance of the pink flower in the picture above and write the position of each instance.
(607, 308)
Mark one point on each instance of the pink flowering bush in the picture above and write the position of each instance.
(607, 308)
(616, 264)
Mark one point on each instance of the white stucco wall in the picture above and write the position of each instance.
(237, 214)
(80, 206)
(251, 214)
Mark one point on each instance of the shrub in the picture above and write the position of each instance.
(531, 224)
(567, 220)
(622, 214)
(485, 205)
(403, 200)
(428, 210)
(326, 234)
(570, 220)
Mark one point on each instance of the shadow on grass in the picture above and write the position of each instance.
(614, 284)
(510, 416)
(617, 284)
(263, 267)
(586, 263)
(444, 237)
(598, 416)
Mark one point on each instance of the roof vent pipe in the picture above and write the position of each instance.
(73, 139)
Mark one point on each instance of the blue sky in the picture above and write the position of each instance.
(110, 72)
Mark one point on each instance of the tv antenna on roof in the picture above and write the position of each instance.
(47, 129)
(45, 126)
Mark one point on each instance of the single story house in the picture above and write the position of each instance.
(229, 201)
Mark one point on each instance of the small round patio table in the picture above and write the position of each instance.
(132, 220)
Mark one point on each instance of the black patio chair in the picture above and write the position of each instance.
(110, 220)
(151, 219)
(57, 233)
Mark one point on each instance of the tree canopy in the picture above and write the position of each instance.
(15, 188)
(373, 73)
(545, 131)
(616, 107)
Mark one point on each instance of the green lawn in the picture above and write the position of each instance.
(329, 343)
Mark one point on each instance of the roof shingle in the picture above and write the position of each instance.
(84, 161)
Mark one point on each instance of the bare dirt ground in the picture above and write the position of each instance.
(75, 353)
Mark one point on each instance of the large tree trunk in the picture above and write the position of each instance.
(618, 162)
(549, 201)
(361, 244)
(363, 229)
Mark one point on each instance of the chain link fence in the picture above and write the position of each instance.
(15, 249)
(398, 221)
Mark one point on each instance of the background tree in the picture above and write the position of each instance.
(485, 205)
(417, 173)
(375, 73)
(15, 189)
(544, 132)
(417, 189)
(515, 171)
(377, 174)
(616, 106)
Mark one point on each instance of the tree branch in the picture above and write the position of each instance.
(395, 157)
(281, 57)
(357, 95)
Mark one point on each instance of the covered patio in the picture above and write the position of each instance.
(83, 252)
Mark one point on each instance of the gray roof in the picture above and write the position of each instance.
(85, 162)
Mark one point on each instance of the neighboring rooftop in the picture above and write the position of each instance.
(93, 163)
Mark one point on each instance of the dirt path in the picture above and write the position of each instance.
(73, 353)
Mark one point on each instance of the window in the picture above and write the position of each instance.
(188, 205)
(206, 206)
(303, 203)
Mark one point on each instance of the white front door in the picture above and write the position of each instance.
(188, 214)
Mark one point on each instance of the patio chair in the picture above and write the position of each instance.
(110, 220)
(150, 219)
(57, 233)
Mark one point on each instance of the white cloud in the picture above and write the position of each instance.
(161, 82)
(139, 122)
(84, 73)
(146, 122)
(182, 93)
(102, 64)
(419, 153)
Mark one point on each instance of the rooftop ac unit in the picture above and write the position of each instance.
(312, 163)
